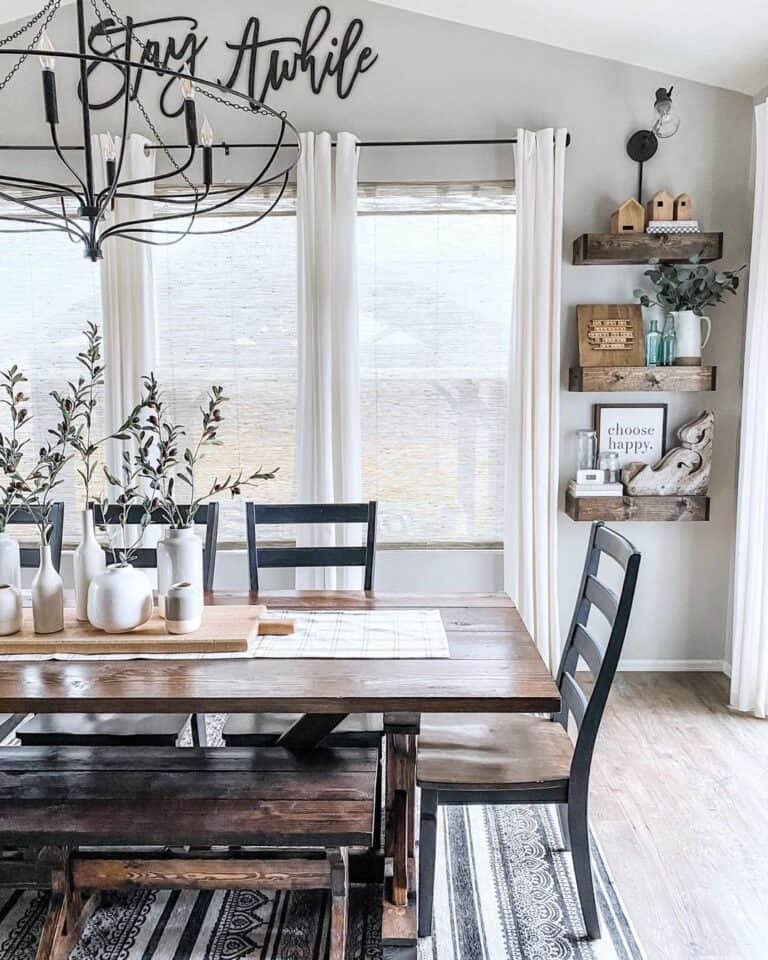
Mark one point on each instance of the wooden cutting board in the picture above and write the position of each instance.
(224, 629)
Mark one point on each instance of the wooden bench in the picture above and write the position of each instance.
(316, 804)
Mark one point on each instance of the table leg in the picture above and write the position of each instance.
(399, 934)
(309, 730)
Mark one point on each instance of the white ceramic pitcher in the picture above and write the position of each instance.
(689, 339)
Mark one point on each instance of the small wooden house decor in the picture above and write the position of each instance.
(683, 207)
(629, 218)
(661, 206)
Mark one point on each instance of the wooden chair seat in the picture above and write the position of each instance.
(102, 729)
(492, 752)
(264, 729)
(59, 799)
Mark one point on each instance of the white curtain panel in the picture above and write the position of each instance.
(531, 469)
(127, 293)
(749, 675)
(328, 451)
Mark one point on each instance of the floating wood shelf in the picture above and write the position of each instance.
(654, 379)
(636, 508)
(639, 248)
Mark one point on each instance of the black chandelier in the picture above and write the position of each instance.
(81, 210)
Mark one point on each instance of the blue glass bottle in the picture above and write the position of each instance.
(653, 347)
(669, 341)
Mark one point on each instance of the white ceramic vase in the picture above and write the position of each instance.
(11, 611)
(689, 339)
(10, 560)
(88, 562)
(47, 596)
(183, 608)
(120, 599)
(179, 560)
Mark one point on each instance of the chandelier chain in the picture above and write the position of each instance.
(30, 23)
(52, 9)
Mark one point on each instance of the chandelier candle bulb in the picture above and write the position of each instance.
(45, 50)
(206, 138)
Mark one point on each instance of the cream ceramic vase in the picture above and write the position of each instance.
(88, 563)
(120, 599)
(11, 612)
(179, 560)
(689, 339)
(47, 596)
(10, 560)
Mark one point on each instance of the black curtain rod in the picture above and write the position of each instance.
(251, 146)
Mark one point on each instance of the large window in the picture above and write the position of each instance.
(227, 315)
(435, 267)
(49, 292)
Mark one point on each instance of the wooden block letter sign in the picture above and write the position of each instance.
(610, 335)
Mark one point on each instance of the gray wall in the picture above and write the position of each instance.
(437, 79)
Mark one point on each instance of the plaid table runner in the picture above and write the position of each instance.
(351, 635)
(365, 635)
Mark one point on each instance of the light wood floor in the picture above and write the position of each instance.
(680, 806)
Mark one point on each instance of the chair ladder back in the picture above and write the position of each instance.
(207, 514)
(30, 556)
(316, 513)
(602, 659)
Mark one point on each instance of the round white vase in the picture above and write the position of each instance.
(88, 562)
(10, 560)
(179, 560)
(47, 596)
(183, 608)
(11, 611)
(120, 599)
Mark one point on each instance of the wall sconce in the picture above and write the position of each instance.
(643, 144)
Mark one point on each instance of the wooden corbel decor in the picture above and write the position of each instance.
(684, 471)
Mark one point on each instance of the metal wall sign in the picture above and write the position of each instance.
(326, 54)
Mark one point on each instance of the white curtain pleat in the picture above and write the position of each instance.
(531, 467)
(127, 293)
(328, 447)
(749, 676)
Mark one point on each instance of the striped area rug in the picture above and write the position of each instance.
(505, 891)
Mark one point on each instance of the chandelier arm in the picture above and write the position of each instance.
(119, 232)
(161, 176)
(41, 185)
(48, 214)
(70, 233)
(211, 233)
(43, 224)
(217, 206)
(67, 164)
(85, 102)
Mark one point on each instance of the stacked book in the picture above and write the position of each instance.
(595, 489)
(673, 226)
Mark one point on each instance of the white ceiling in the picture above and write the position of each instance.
(725, 45)
(722, 44)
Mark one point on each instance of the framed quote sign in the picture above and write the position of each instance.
(636, 431)
(610, 335)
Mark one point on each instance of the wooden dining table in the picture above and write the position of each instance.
(494, 667)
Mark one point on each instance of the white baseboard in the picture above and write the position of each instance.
(675, 666)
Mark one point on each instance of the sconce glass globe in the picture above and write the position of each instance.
(667, 121)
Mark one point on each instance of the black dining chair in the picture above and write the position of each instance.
(26, 516)
(264, 730)
(140, 729)
(261, 558)
(519, 759)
